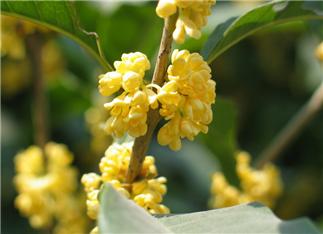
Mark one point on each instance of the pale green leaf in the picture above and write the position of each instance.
(246, 218)
(120, 215)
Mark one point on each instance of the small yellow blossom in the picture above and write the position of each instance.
(263, 185)
(147, 191)
(128, 114)
(192, 16)
(129, 74)
(186, 99)
(47, 189)
(149, 194)
(91, 182)
(226, 195)
(128, 111)
(319, 52)
(95, 230)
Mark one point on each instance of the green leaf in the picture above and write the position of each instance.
(59, 16)
(221, 137)
(120, 215)
(246, 218)
(235, 29)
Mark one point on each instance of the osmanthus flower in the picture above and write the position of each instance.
(319, 52)
(147, 191)
(128, 110)
(224, 194)
(192, 16)
(263, 185)
(185, 99)
(47, 189)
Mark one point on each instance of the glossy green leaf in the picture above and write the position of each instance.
(227, 34)
(59, 16)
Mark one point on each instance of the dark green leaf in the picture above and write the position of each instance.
(235, 29)
(59, 16)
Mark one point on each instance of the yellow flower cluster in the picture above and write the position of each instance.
(129, 110)
(186, 99)
(263, 185)
(15, 72)
(192, 16)
(47, 189)
(147, 191)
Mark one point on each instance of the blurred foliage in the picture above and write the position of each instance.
(261, 82)
(221, 138)
(129, 27)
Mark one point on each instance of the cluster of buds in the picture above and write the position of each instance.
(129, 110)
(192, 16)
(263, 185)
(47, 189)
(185, 98)
(147, 191)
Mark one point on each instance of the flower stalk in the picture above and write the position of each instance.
(293, 128)
(34, 46)
(141, 144)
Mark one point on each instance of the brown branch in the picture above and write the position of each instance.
(293, 128)
(141, 144)
(39, 109)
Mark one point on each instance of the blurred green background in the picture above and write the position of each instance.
(261, 83)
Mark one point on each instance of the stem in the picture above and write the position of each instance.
(293, 128)
(34, 47)
(141, 144)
